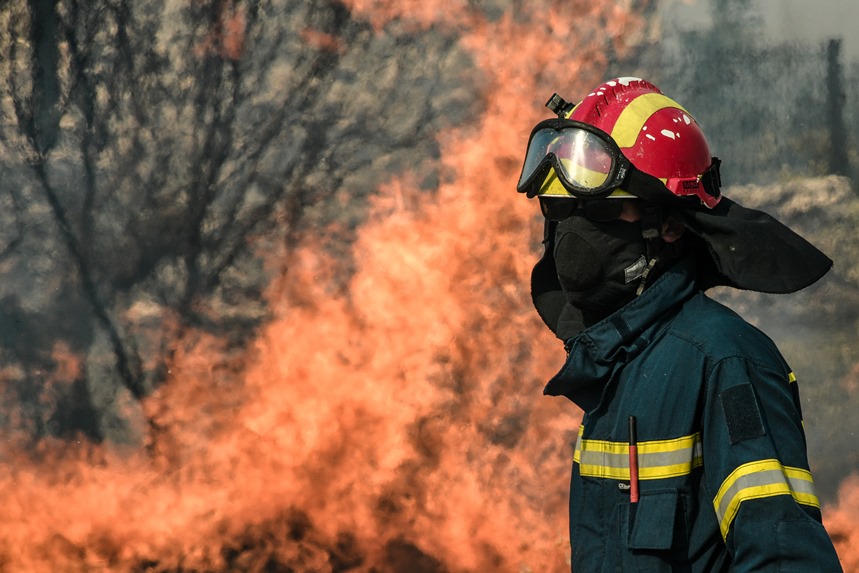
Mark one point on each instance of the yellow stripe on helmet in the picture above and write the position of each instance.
(635, 115)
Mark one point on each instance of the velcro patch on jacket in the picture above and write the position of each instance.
(741, 413)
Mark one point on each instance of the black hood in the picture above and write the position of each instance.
(750, 250)
(739, 247)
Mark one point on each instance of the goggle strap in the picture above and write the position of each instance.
(650, 188)
(712, 178)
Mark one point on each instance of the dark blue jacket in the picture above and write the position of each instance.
(723, 470)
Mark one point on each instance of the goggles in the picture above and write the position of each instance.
(589, 164)
(586, 160)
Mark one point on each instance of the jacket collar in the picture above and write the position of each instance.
(599, 351)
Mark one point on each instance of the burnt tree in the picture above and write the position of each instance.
(153, 153)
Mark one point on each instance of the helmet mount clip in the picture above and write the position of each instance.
(559, 105)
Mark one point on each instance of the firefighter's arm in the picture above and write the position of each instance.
(756, 469)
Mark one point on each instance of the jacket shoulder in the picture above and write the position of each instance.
(720, 333)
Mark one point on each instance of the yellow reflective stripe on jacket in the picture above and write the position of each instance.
(791, 379)
(657, 459)
(754, 480)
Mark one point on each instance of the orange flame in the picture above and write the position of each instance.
(401, 424)
(841, 523)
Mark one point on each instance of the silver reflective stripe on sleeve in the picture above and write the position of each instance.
(755, 480)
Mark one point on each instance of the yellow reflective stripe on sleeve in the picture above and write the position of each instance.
(791, 379)
(755, 480)
(801, 486)
(658, 459)
(635, 115)
(577, 456)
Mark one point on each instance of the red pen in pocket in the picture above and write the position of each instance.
(633, 461)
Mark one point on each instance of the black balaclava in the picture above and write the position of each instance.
(601, 266)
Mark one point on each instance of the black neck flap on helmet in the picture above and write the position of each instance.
(740, 247)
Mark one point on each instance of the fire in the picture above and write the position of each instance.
(397, 427)
(841, 522)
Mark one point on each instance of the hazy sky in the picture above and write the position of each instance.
(789, 20)
(814, 21)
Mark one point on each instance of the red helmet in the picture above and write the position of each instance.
(656, 134)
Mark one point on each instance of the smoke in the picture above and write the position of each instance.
(388, 414)
(396, 424)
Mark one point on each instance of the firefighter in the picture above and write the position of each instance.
(691, 454)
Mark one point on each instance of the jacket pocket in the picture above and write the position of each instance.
(655, 541)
